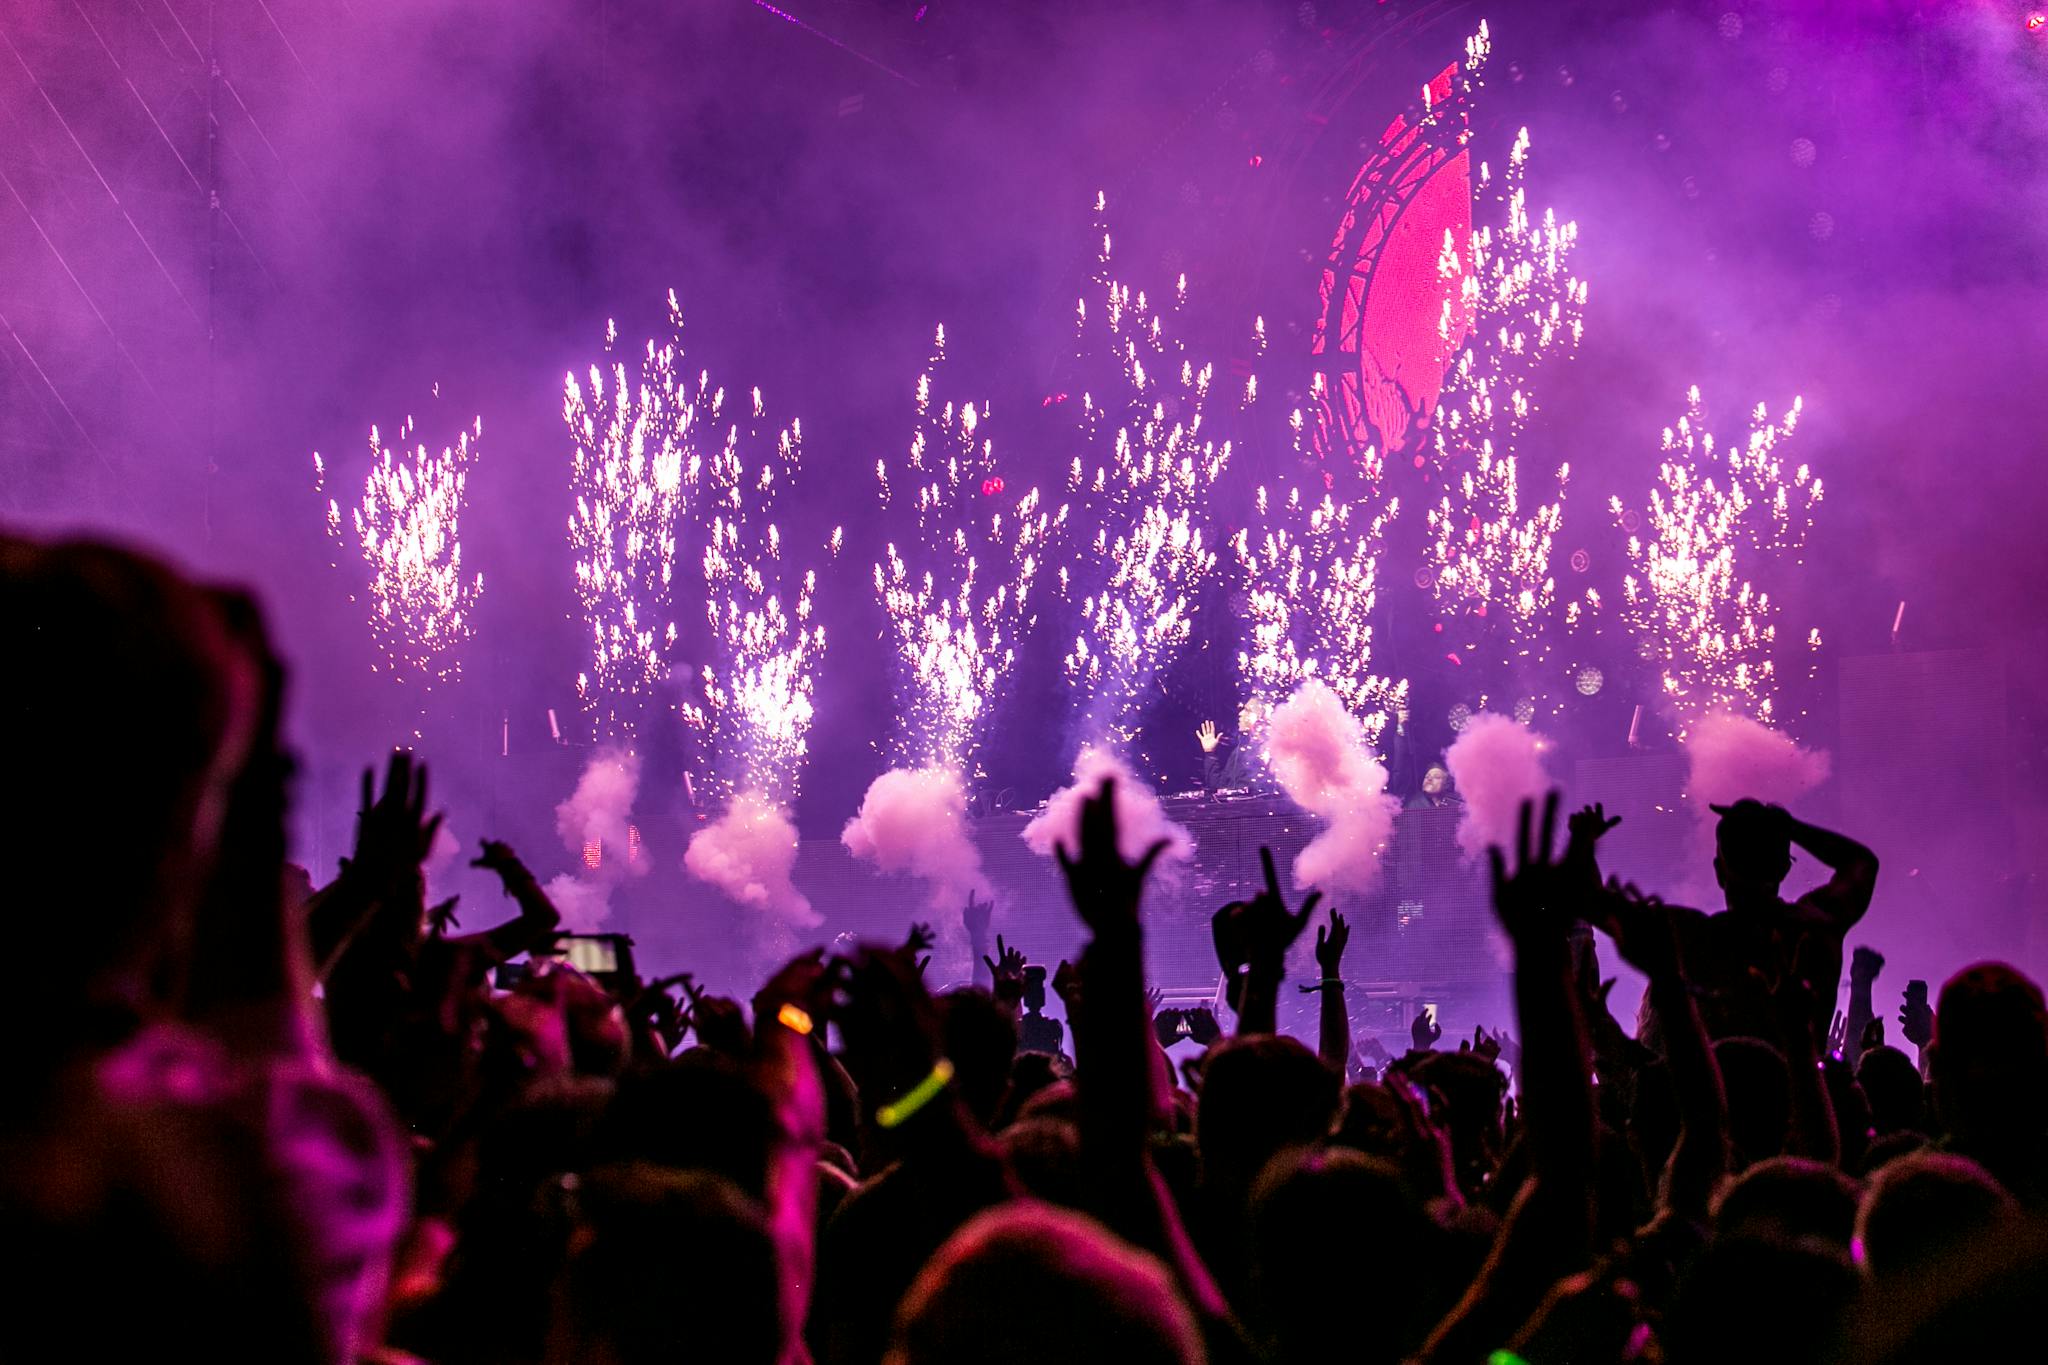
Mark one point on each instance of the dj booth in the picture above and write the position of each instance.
(1424, 932)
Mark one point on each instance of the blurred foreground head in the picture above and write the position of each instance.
(1027, 1282)
(130, 699)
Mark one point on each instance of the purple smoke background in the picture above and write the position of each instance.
(1841, 200)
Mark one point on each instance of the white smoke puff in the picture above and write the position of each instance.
(601, 808)
(1730, 756)
(583, 905)
(1140, 820)
(1497, 764)
(749, 853)
(915, 820)
(1318, 753)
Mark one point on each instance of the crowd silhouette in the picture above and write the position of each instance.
(257, 1115)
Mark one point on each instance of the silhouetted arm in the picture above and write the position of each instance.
(1121, 1089)
(1847, 892)
(1646, 932)
(1548, 1232)
(1333, 1035)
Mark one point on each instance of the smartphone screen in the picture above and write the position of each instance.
(590, 955)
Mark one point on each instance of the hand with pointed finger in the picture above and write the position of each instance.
(975, 917)
(1006, 972)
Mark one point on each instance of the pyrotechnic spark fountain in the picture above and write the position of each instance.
(1142, 492)
(408, 529)
(1711, 632)
(958, 600)
(635, 457)
(1519, 304)
(1312, 580)
(755, 716)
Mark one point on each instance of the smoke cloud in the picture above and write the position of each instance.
(600, 810)
(584, 904)
(749, 853)
(1730, 756)
(1140, 820)
(1318, 752)
(915, 820)
(1497, 763)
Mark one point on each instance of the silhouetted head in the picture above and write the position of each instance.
(1025, 1283)
(1045, 1155)
(1891, 1082)
(1789, 1198)
(1759, 1097)
(1990, 1065)
(666, 1265)
(1752, 853)
(1760, 1301)
(1310, 1208)
(1030, 1072)
(1924, 1208)
(702, 1112)
(981, 1041)
(1259, 1095)
(1467, 1097)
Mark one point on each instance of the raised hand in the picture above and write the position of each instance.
(802, 982)
(1006, 974)
(975, 916)
(393, 829)
(498, 857)
(1260, 931)
(1208, 736)
(919, 941)
(1589, 824)
(1330, 943)
(1006, 966)
(1202, 1025)
(1424, 1032)
(1838, 1034)
(1865, 963)
(1916, 1016)
(1167, 1026)
(1527, 901)
(1105, 888)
